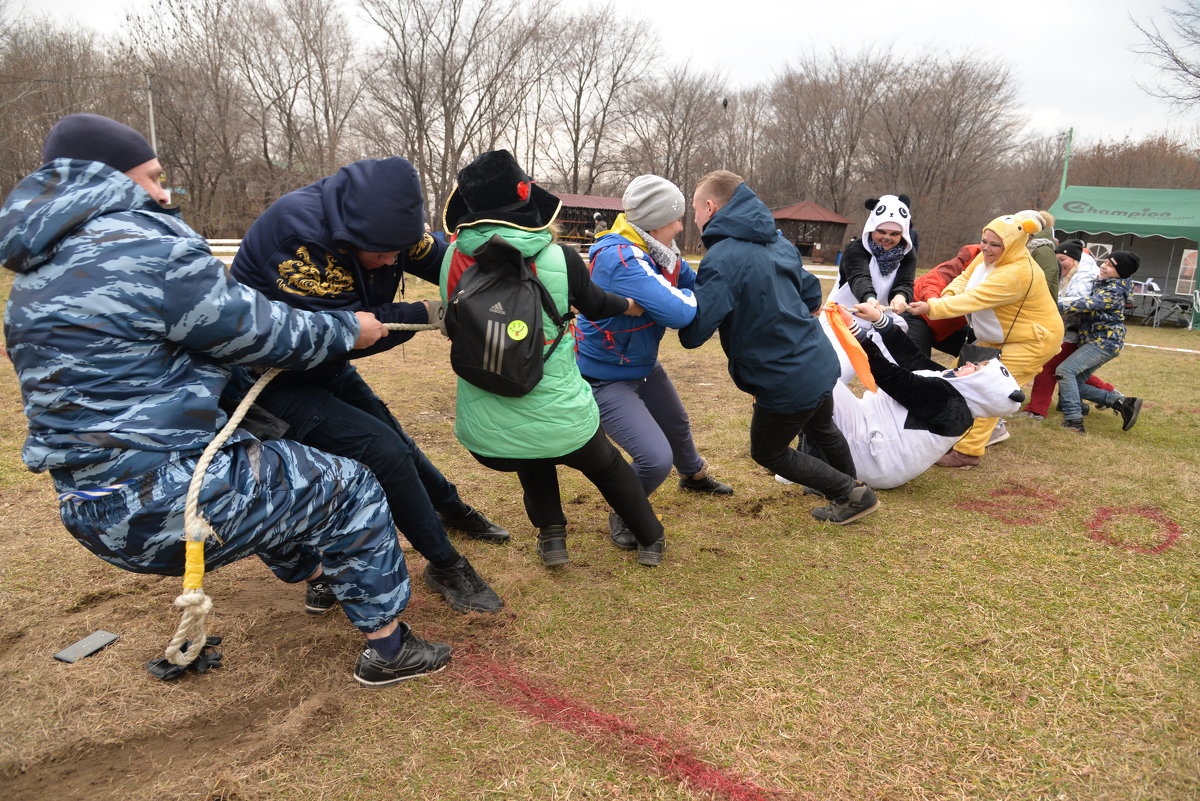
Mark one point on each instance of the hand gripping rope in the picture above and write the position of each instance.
(189, 640)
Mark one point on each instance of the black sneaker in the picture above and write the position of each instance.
(416, 658)
(859, 503)
(651, 555)
(319, 598)
(1074, 425)
(707, 484)
(619, 533)
(462, 587)
(1129, 409)
(472, 523)
(552, 546)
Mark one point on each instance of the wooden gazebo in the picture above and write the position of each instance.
(815, 230)
(583, 215)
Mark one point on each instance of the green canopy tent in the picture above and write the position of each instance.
(1160, 225)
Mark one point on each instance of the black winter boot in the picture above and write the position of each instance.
(552, 545)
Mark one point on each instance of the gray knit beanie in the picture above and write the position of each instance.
(652, 202)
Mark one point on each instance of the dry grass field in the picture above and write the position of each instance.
(1029, 629)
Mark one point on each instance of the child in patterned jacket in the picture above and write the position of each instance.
(1101, 337)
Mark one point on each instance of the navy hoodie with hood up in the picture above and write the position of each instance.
(753, 287)
(302, 250)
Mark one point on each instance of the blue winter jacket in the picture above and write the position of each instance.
(625, 348)
(752, 286)
(302, 250)
(121, 325)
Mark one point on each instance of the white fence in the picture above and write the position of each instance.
(225, 249)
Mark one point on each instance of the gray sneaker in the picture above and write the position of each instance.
(462, 587)
(859, 503)
(417, 657)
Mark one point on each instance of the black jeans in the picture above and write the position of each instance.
(339, 414)
(921, 334)
(603, 465)
(771, 436)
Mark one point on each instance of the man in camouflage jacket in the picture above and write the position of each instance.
(122, 328)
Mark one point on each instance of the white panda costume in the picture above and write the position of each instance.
(898, 432)
(855, 264)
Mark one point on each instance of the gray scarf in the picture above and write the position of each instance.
(667, 258)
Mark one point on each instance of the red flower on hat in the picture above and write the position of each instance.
(523, 190)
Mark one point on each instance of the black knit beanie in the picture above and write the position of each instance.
(1127, 262)
(91, 137)
(1072, 248)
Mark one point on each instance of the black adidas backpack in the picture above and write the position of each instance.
(494, 320)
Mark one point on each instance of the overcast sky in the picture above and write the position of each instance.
(1072, 59)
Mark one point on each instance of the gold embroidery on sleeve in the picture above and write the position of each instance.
(301, 276)
(421, 249)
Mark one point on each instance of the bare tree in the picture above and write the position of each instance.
(676, 133)
(744, 119)
(1032, 178)
(1156, 162)
(302, 97)
(594, 77)
(673, 137)
(453, 80)
(1176, 53)
(46, 71)
(821, 107)
(203, 130)
(938, 132)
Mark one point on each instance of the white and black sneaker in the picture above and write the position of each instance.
(417, 657)
(319, 598)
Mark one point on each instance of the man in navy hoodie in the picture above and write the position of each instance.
(345, 243)
(752, 286)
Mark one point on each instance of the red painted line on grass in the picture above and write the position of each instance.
(1014, 505)
(509, 687)
(1171, 531)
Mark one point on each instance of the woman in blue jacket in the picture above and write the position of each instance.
(639, 407)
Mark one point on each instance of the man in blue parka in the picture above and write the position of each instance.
(752, 286)
(123, 327)
(346, 242)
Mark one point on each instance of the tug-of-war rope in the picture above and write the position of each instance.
(189, 639)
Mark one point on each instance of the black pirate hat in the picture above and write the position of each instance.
(494, 189)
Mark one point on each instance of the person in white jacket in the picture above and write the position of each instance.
(920, 408)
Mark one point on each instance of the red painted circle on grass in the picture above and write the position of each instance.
(1170, 530)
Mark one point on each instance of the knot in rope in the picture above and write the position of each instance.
(196, 606)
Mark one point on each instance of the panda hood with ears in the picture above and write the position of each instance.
(893, 209)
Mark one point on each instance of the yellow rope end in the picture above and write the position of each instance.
(193, 568)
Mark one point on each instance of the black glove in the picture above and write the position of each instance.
(208, 659)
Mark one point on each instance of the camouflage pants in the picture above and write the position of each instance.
(291, 506)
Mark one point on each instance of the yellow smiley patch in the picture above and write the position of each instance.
(517, 330)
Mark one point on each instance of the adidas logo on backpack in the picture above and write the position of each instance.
(497, 308)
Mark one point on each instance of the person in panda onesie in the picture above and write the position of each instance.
(879, 268)
(920, 409)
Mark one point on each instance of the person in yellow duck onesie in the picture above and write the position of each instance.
(1004, 293)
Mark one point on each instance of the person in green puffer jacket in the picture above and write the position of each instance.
(557, 422)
